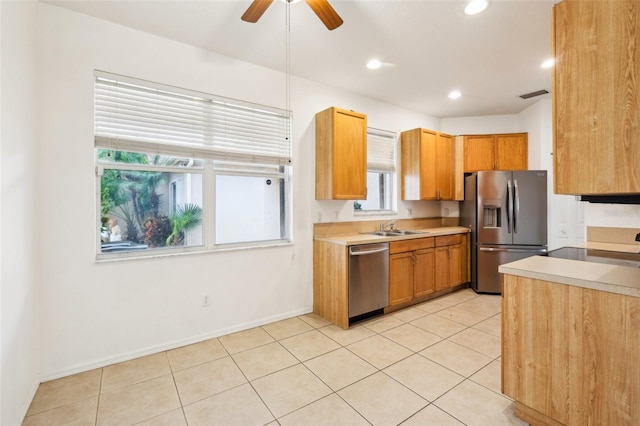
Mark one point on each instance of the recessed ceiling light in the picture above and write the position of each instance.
(476, 6)
(374, 64)
(548, 63)
(454, 94)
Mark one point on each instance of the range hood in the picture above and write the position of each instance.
(612, 199)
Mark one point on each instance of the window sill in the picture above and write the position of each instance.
(223, 248)
(375, 213)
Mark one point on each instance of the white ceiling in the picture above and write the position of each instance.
(428, 48)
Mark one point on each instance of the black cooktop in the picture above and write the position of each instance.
(598, 256)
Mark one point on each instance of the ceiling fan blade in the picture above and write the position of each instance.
(326, 13)
(255, 10)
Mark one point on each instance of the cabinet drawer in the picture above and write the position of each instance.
(448, 240)
(410, 245)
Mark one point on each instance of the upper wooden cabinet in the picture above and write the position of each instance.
(341, 155)
(596, 96)
(427, 166)
(507, 151)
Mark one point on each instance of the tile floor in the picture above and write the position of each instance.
(437, 363)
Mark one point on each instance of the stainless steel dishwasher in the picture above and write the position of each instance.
(368, 278)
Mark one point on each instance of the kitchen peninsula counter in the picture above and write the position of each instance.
(571, 341)
(596, 276)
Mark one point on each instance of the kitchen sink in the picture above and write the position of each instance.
(395, 233)
(406, 232)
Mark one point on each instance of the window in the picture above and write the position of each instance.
(381, 175)
(179, 170)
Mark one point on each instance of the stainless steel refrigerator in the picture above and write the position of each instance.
(507, 214)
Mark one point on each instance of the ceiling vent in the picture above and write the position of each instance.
(534, 94)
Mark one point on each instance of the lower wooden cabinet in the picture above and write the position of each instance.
(411, 270)
(570, 354)
(449, 261)
(417, 268)
(424, 279)
(423, 266)
(401, 277)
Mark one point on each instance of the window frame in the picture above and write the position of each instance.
(382, 165)
(208, 171)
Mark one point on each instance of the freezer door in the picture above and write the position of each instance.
(493, 208)
(490, 257)
(530, 207)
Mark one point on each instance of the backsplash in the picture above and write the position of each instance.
(612, 215)
(604, 234)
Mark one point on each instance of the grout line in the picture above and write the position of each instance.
(99, 396)
(365, 325)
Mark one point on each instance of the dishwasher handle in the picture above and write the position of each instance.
(362, 251)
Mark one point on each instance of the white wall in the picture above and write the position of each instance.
(481, 125)
(612, 215)
(565, 224)
(99, 313)
(19, 359)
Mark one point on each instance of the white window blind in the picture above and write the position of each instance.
(140, 116)
(381, 151)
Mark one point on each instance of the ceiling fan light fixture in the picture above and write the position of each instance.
(476, 6)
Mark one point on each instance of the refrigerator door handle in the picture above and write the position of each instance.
(509, 206)
(513, 250)
(516, 207)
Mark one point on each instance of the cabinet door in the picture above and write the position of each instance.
(442, 267)
(511, 151)
(596, 97)
(349, 156)
(478, 153)
(444, 166)
(400, 278)
(427, 165)
(420, 158)
(424, 272)
(456, 265)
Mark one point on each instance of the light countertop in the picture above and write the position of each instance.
(597, 276)
(360, 238)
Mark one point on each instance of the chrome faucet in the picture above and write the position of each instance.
(390, 224)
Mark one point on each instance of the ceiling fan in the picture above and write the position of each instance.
(322, 8)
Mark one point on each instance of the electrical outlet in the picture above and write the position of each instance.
(205, 300)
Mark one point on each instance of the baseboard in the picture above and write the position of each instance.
(103, 362)
(27, 403)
